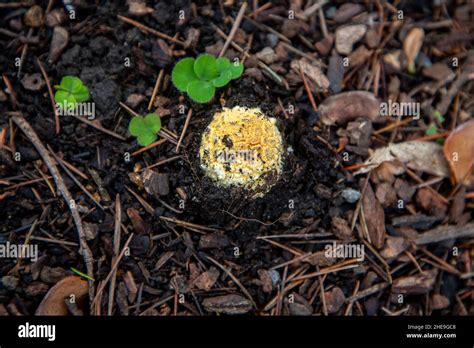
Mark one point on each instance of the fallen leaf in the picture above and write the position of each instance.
(425, 156)
(58, 43)
(411, 47)
(459, 151)
(53, 303)
(313, 72)
(348, 106)
(375, 217)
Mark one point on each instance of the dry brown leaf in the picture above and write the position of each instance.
(425, 156)
(348, 106)
(375, 218)
(459, 151)
(53, 303)
(411, 47)
(313, 72)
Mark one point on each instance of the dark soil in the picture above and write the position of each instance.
(166, 257)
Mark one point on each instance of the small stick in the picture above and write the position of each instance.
(96, 124)
(323, 297)
(159, 163)
(322, 21)
(71, 203)
(308, 90)
(12, 93)
(146, 148)
(114, 267)
(51, 95)
(186, 123)
(76, 181)
(236, 26)
(442, 233)
(188, 224)
(118, 219)
(239, 284)
(150, 30)
(156, 88)
(367, 292)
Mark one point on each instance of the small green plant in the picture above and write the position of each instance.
(201, 76)
(145, 128)
(71, 90)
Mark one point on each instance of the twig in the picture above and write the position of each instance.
(308, 90)
(118, 220)
(51, 95)
(150, 30)
(114, 267)
(236, 281)
(186, 124)
(96, 124)
(84, 248)
(151, 146)
(155, 89)
(442, 233)
(236, 26)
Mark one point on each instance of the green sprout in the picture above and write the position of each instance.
(201, 76)
(71, 90)
(145, 128)
(82, 274)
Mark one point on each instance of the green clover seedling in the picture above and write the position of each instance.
(145, 128)
(71, 90)
(201, 76)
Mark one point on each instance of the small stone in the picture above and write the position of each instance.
(350, 195)
(139, 245)
(347, 36)
(134, 99)
(58, 43)
(324, 46)
(394, 246)
(267, 55)
(272, 40)
(206, 280)
(34, 16)
(33, 82)
(10, 282)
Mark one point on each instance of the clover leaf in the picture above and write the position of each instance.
(201, 76)
(145, 128)
(71, 90)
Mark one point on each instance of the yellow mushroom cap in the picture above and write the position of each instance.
(242, 147)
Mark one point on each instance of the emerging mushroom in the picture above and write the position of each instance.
(242, 147)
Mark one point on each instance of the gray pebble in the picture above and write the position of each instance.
(351, 195)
